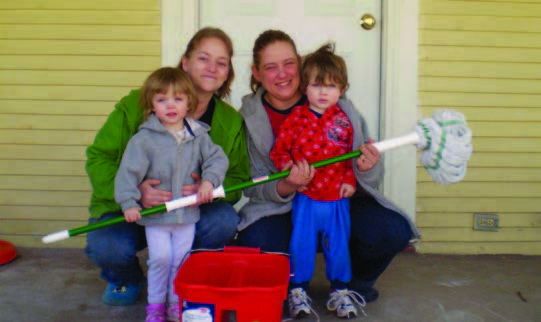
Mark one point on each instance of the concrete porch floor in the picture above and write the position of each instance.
(62, 285)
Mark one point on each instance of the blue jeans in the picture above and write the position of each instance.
(114, 249)
(377, 236)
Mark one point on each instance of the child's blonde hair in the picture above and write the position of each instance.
(326, 65)
(160, 81)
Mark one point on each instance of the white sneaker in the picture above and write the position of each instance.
(298, 303)
(343, 302)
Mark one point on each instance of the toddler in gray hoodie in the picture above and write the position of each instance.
(169, 147)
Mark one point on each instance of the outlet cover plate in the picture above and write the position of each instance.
(486, 221)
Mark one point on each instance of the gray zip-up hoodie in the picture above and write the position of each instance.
(154, 153)
(264, 199)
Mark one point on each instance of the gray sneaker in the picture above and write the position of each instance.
(344, 303)
(298, 303)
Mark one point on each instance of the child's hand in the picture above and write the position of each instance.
(204, 193)
(132, 214)
(346, 190)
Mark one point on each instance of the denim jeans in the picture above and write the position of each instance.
(271, 234)
(377, 236)
(114, 248)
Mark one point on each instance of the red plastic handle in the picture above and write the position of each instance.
(240, 249)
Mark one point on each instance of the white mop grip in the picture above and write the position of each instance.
(412, 138)
(192, 199)
(54, 237)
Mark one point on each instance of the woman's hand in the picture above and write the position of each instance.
(346, 190)
(132, 214)
(191, 189)
(301, 174)
(204, 193)
(151, 196)
(369, 157)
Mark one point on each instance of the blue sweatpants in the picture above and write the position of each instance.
(311, 218)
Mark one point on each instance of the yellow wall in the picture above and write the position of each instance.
(63, 65)
(483, 58)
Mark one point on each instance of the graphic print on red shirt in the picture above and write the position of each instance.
(305, 136)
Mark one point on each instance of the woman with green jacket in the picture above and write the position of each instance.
(207, 61)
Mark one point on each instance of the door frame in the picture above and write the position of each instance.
(399, 81)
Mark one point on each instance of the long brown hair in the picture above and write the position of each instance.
(160, 81)
(265, 39)
(211, 32)
(326, 66)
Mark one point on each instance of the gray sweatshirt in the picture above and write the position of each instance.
(154, 153)
(264, 199)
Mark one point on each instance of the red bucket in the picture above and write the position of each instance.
(7, 252)
(244, 280)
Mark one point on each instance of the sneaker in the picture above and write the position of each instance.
(155, 313)
(343, 302)
(120, 295)
(298, 303)
(173, 312)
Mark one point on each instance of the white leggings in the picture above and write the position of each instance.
(167, 246)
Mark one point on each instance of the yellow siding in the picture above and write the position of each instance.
(63, 65)
(483, 58)
(45, 167)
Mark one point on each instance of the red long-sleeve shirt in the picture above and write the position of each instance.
(305, 136)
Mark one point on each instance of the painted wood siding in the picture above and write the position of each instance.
(63, 65)
(483, 58)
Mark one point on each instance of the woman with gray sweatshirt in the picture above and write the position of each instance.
(379, 229)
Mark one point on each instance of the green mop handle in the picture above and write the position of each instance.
(189, 200)
(285, 173)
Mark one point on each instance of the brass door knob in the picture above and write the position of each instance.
(368, 22)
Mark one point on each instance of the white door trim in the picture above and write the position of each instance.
(180, 20)
(399, 81)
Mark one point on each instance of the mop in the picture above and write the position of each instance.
(444, 141)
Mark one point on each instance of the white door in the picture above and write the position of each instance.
(310, 23)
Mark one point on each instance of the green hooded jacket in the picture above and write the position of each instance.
(105, 154)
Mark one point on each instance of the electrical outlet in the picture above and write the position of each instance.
(486, 221)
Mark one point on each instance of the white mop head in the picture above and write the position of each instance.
(446, 145)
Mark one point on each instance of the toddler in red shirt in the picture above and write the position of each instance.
(316, 131)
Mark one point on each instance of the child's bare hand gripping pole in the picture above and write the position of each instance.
(132, 214)
(204, 193)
